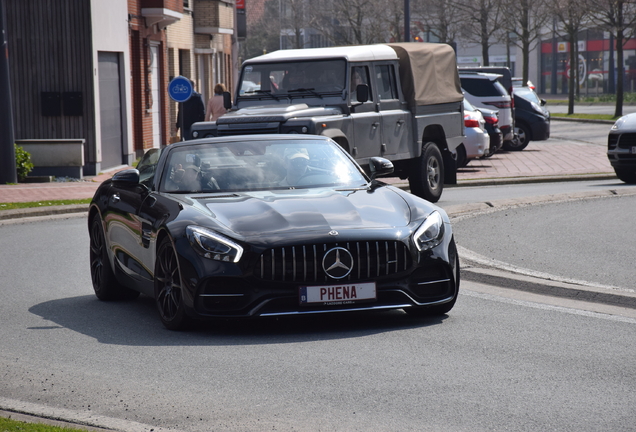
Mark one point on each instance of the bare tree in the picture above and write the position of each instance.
(482, 21)
(263, 35)
(525, 19)
(294, 20)
(442, 18)
(353, 22)
(572, 15)
(619, 18)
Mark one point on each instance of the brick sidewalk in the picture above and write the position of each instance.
(552, 158)
(545, 158)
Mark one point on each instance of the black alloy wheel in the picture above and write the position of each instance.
(426, 179)
(104, 281)
(462, 160)
(521, 140)
(169, 287)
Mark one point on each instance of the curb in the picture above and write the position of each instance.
(42, 211)
(580, 120)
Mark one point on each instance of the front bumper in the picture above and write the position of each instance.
(268, 287)
(621, 149)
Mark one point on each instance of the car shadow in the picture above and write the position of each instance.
(137, 323)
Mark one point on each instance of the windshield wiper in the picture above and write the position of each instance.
(308, 90)
(267, 92)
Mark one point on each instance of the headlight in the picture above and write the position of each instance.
(430, 233)
(212, 245)
(619, 123)
(537, 108)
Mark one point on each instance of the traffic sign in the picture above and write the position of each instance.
(180, 89)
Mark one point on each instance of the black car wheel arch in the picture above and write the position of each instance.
(104, 281)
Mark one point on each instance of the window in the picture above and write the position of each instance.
(359, 75)
(483, 87)
(385, 82)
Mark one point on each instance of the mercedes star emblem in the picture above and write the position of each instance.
(337, 263)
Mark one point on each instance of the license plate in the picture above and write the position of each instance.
(337, 294)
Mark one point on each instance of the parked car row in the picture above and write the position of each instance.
(513, 114)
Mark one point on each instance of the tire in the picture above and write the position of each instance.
(429, 311)
(628, 175)
(521, 141)
(169, 288)
(104, 281)
(426, 179)
(462, 160)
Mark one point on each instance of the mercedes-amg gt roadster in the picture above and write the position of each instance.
(268, 225)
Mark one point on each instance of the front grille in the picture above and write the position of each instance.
(627, 140)
(371, 259)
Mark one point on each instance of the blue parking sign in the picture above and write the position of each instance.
(180, 89)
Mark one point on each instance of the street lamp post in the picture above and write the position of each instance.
(407, 21)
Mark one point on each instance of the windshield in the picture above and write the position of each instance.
(259, 165)
(528, 94)
(293, 79)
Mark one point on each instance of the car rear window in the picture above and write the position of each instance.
(483, 87)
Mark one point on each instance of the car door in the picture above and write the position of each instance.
(130, 218)
(393, 116)
(365, 118)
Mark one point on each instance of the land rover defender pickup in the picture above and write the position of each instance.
(399, 101)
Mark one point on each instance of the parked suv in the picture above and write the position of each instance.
(483, 90)
(532, 120)
(621, 148)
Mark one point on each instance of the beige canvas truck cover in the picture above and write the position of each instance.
(428, 72)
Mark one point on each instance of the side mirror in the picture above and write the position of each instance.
(362, 92)
(543, 102)
(227, 100)
(129, 177)
(380, 166)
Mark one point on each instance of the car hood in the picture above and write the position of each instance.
(275, 113)
(314, 212)
(625, 123)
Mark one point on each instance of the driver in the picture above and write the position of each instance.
(296, 163)
(188, 178)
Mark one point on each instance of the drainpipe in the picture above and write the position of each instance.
(8, 173)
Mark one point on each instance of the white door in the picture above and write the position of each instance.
(156, 97)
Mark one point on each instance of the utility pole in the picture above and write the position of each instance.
(8, 173)
(407, 21)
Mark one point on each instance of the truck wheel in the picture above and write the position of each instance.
(628, 175)
(426, 179)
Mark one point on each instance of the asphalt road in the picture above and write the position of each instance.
(492, 364)
(501, 360)
(583, 240)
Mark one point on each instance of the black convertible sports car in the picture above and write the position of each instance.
(267, 225)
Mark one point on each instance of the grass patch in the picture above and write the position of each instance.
(585, 116)
(8, 425)
(33, 204)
